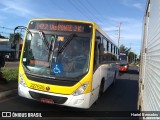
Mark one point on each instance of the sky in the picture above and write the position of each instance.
(106, 13)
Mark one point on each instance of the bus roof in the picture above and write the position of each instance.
(68, 20)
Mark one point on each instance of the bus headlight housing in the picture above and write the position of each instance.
(22, 82)
(81, 89)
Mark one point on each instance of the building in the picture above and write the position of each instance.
(10, 49)
(5, 48)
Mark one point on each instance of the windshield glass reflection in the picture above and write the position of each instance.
(72, 62)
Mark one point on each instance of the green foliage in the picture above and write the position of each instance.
(1, 36)
(124, 49)
(10, 74)
(131, 56)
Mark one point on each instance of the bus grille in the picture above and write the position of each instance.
(56, 99)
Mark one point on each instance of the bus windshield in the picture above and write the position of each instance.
(123, 58)
(72, 62)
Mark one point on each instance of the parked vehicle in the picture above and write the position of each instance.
(149, 78)
(123, 67)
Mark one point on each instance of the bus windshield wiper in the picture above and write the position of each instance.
(67, 41)
(51, 46)
(45, 41)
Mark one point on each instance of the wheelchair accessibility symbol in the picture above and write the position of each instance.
(57, 68)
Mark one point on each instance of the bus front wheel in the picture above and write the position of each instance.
(101, 89)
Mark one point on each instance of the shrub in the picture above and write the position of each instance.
(10, 74)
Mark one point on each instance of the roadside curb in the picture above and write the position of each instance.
(6, 94)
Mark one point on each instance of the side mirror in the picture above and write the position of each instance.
(98, 38)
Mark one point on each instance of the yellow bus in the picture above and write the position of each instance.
(66, 62)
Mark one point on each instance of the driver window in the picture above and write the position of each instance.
(96, 55)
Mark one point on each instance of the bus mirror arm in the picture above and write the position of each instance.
(98, 38)
(22, 27)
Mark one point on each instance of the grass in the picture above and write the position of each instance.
(10, 74)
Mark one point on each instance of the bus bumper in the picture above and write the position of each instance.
(80, 101)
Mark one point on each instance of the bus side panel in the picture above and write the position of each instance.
(106, 75)
(115, 70)
(102, 72)
(96, 81)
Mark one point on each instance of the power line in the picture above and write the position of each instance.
(9, 29)
(90, 12)
(93, 15)
(96, 10)
(6, 28)
(77, 8)
(4, 33)
(87, 10)
(21, 31)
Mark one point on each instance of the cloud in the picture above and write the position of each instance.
(100, 23)
(138, 5)
(131, 31)
(130, 3)
(130, 28)
(130, 37)
(3, 9)
(123, 19)
(110, 29)
(2, 18)
(28, 8)
(21, 8)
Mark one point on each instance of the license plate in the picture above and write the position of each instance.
(46, 100)
(37, 87)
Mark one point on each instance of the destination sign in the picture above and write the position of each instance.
(60, 26)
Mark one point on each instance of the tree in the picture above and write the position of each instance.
(131, 56)
(14, 38)
(124, 49)
(1, 36)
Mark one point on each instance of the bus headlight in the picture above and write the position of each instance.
(22, 82)
(81, 89)
(125, 66)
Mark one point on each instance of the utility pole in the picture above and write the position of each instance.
(119, 32)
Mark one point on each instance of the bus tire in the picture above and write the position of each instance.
(101, 88)
(114, 80)
(100, 91)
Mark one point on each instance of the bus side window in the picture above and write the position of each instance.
(107, 46)
(96, 55)
(101, 52)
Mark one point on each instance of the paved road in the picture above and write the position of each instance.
(121, 97)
